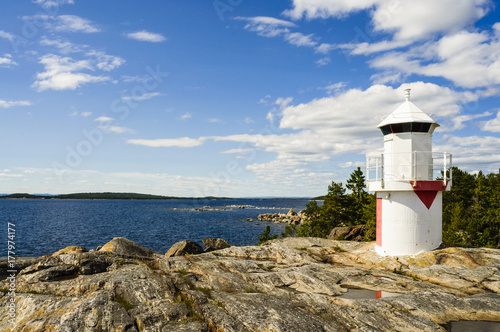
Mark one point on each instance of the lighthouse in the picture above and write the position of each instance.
(408, 178)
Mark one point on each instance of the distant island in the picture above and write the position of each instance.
(106, 195)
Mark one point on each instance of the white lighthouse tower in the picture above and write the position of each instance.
(408, 179)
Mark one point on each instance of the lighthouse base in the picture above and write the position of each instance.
(406, 224)
(382, 252)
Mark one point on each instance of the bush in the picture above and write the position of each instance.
(265, 235)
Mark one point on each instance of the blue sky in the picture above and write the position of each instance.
(235, 97)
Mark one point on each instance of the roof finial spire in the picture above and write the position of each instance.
(407, 94)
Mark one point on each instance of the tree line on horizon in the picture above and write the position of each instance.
(106, 195)
(471, 210)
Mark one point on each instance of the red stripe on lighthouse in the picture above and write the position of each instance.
(427, 191)
(379, 222)
(427, 197)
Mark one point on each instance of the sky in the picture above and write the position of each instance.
(236, 98)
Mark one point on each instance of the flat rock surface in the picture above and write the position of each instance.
(291, 284)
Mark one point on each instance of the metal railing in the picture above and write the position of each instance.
(414, 166)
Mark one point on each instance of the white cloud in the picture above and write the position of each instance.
(334, 87)
(73, 23)
(146, 36)
(283, 102)
(7, 61)
(53, 3)
(139, 79)
(492, 125)
(267, 26)
(64, 47)
(472, 152)
(237, 151)
(402, 18)
(63, 74)
(266, 20)
(272, 27)
(103, 119)
(264, 100)
(105, 125)
(8, 104)
(145, 96)
(182, 142)
(354, 113)
(366, 48)
(214, 120)
(9, 175)
(468, 59)
(405, 18)
(386, 77)
(99, 59)
(104, 61)
(323, 61)
(118, 129)
(248, 120)
(326, 8)
(186, 116)
(6, 35)
(351, 164)
(299, 39)
(325, 48)
(458, 121)
(82, 114)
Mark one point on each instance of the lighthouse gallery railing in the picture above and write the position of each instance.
(414, 166)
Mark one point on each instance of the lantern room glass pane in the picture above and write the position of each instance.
(386, 130)
(425, 127)
(397, 128)
(407, 127)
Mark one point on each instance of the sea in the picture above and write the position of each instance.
(38, 227)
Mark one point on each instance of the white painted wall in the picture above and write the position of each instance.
(408, 227)
(407, 155)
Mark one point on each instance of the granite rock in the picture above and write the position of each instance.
(184, 247)
(212, 244)
(291, 284)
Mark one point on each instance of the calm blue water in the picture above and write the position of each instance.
(45, 226)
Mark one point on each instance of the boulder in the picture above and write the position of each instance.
(212, 244)
(184, 247)
(291, 212)
(347, 233)
(124, 247)
(70, 250)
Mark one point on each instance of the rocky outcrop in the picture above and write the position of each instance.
(291, 217)
(348, 233)
(212, 244)
(291, 284)
(184, 247)
(125, 247)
